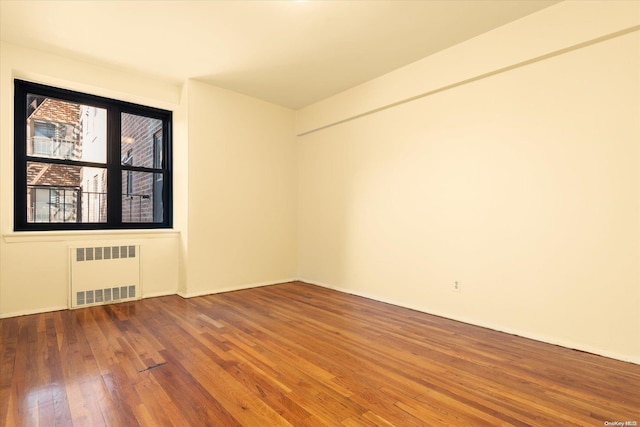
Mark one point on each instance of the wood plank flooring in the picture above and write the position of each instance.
(294, 354)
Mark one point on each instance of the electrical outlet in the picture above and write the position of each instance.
(456, 286)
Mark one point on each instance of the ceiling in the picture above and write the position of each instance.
(291, 53)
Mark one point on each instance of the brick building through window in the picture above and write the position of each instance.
(53, 190)
(141, 146)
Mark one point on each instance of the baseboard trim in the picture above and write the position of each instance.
(162, 294)
(496, 327)
(158, 294)
(35, 311)
(234, 288)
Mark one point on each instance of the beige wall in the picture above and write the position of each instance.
(234, 191)
(34, 269)
(242, 197)
(524, 186)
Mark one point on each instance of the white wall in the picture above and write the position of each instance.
(523, 185)
(242, 197)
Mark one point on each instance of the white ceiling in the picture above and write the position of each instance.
(291, 53)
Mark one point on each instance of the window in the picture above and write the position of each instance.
(84, 162)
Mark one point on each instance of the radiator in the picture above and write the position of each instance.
(104, 275)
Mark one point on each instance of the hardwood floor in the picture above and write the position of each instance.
(294, 354)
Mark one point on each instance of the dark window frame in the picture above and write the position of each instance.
(113, 165)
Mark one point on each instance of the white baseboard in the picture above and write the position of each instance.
(496, 327)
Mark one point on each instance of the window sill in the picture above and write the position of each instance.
(60, 236)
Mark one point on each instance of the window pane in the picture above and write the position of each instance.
(66, 193)
(141, 141)
(142, 197)
(59, 129)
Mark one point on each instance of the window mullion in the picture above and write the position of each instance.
(114, 168)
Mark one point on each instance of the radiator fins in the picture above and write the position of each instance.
(107, 295)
